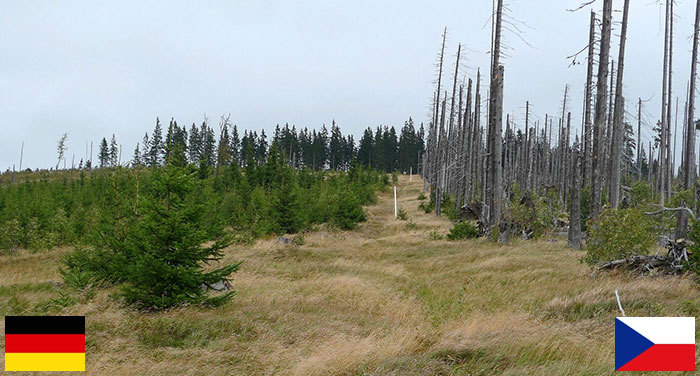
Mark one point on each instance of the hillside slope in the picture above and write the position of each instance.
(385, 299)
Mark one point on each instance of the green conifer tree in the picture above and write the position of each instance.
(168, 247)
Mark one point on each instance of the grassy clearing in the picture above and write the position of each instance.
(382, 300)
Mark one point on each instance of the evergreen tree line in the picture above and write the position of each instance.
(381, 149)
(255, 200)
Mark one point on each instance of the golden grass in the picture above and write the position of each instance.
(382, 300)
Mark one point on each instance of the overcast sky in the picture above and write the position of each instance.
(94, 68)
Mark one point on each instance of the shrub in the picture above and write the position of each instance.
(421, 196)
(348, 211)
(618, 234)
(291, 218)
(463, 230)
(410, 225)
(435, 235)
(533, 214)
(427, 208)
(10, 235)
(640, 194)
(402, 215)
(299, 240)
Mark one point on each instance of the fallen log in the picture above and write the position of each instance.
(645, 264)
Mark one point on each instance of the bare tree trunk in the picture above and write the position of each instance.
(669, 95)
(618, 127)
(587, 103)
(476, 141)
(495, 136)
(675, 139)
(601, 91)
(495, 125)
(441, 159)
(535, 160)
(575, 205)
(545, 157)
(650, 167)
(460, 152)
(466, 162)
(689, 174)
(528, 148)
(664, 122)
(639, 140)
(565, 160)
(450, 127)
(607, 167)
(442, 55)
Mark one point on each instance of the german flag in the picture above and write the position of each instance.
(44, 343)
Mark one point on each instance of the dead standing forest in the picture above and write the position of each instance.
(597, 180)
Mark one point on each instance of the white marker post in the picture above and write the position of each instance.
(396, 209)
(410, 177)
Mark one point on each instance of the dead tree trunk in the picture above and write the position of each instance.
(639, 140)
(662, 142)
(689, 173)
(669, 96)
(607, 152)
(449, 166)
(528, 147)
(618, 127)
(600, 113)
(495, 125)
(575, 204)
(587, 103)
(476, 142)
(495, 135)
(466, 151)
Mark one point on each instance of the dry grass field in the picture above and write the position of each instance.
(382, 300)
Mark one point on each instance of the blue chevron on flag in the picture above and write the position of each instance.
(655, 344)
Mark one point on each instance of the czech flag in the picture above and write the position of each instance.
(44, 343)
(655, 343)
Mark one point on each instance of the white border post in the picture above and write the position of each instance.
(396, 209)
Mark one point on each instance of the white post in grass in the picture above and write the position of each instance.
(396, 209)
(410, 177)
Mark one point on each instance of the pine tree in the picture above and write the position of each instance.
(145, 148)
(179, 146)
(136, 159)
(408, 148)
(208, 145)
(156, 146)
(235, 146)
(349, 152)
(224, 153)
(113, 151)
(261, 147)
(305, 145)
(289, 203)
(365, 150)
(391, 151)
(335, 147)
(103, 154)
(168, 248)
(195, 146)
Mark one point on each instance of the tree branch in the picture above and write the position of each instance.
(665, 209)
